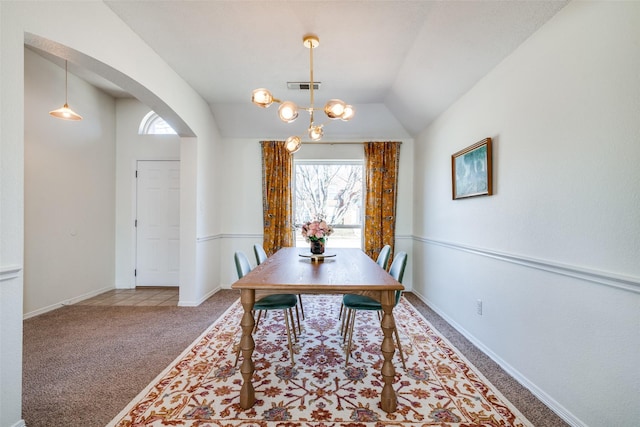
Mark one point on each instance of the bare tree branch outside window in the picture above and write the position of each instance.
(329, 191)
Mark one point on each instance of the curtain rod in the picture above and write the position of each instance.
(341, 143)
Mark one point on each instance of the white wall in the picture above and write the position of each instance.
(132, 147)
(242, 223)
(117, 53)
(554, 253)
(69, 190)
(11, 222)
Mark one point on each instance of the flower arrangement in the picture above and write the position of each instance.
(316, 230)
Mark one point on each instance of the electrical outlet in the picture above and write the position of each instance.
(479, 307)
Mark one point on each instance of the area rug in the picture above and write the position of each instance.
(438, 388)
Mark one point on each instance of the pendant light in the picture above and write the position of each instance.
(288, 111)
(65, 112)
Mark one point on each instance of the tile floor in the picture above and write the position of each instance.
(147, 296)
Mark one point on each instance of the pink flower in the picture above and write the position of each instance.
(316, 229)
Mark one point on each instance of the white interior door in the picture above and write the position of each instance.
(158, 223)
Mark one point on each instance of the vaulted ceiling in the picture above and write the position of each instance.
(400, 63)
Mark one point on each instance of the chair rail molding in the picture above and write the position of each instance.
(229, 236)
(627, 283)
(8, 272)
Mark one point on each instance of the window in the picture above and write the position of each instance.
(333, 190)
(153, 124)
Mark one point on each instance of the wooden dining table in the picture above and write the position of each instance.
(340, 271)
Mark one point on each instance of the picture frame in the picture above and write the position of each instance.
(471, 171)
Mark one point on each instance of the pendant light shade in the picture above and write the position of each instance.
(65, 112)
(288, 111)
(348, 113)
(293, 144)
(316, 132)
(334, 109)
(262, 98)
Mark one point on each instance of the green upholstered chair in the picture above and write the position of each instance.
(242, 264)
(383, 257)
(355, 303)
(284, 302)
(261, 256)
(382, 261)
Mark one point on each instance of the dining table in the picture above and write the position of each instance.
(338, 271)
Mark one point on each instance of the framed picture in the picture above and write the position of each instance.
(471, 171)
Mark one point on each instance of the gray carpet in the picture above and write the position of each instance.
(84, 364)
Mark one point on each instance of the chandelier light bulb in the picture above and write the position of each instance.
(293, 144)
(262, 97)
(288, 111)
(334, 108)
(348, 113)
(316, 132)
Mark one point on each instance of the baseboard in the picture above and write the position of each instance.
(552, 404)
(66, 302)
(203, 299)
(20, 423)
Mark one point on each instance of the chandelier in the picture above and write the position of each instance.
(288, 111)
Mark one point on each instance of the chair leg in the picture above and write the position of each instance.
(237, 356)
(395, 331)
(352, 318)
(293, 325)
(341, 308)
(286, 321)
(345, 324)
(301, 307)
(349, 313)
(255, 328)
(298, 320)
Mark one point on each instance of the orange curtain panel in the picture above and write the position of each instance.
(277, 201)
(381, 182)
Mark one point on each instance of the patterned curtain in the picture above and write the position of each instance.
(277, 202)
(381, 178)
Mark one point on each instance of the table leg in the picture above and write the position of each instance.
(247, 393)
(389, 400)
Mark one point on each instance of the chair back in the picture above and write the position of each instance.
(242, 264)
(397, 270)
(383, 256)
(398, 265)
(261, 255)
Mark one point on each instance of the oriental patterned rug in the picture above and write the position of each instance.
(438, 388)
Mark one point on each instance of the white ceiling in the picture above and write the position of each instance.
(400, 63)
